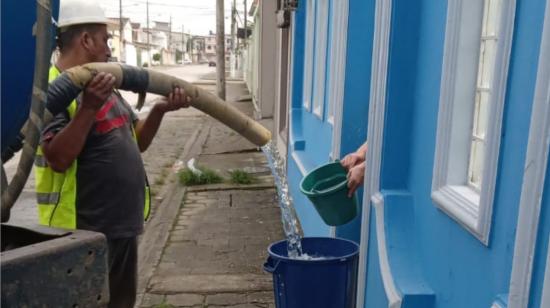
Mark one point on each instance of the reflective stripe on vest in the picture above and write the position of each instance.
(56, 192)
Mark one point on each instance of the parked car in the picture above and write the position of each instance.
(211, 63)
(187, 61)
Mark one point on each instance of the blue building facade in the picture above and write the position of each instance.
(453, 98)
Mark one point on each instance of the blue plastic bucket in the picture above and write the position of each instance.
(330, 282)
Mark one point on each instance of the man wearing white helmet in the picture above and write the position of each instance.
(89, 170)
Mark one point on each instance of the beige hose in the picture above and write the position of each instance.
(163, 84)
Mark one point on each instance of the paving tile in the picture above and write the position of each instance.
(185, 299)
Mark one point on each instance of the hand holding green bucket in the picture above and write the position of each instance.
(327, 188)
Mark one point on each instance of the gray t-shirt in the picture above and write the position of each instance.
(110, 176)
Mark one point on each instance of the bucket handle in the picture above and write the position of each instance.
(271, 265)
(322, 191)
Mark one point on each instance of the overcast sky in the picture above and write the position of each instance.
(197, 17)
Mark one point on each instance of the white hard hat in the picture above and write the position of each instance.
(76, 12)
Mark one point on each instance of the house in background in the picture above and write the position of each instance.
(260, 64)
(179, 43)
(210, 47)
(452, 97)
(122, 50)
(198, 49)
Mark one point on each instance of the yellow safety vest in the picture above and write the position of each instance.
(56, 192)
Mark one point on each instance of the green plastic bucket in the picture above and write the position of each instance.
(327, 188)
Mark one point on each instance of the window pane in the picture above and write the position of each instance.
(484, 29)
(480, 114)
(493, 16)
(476, 164)
(487, 61)
(487, 57)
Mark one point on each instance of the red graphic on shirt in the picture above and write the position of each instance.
(102, 113)
(104, 125)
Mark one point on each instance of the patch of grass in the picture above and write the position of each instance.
(208, 176)
(159, 181)
(239, 176)
(162, 177)
(164, 305)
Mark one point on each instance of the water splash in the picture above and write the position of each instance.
(288, 216)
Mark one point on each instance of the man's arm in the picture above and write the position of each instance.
(147, 129)
(356, 177)
(362, 151)
(63, 148)
(353, 159)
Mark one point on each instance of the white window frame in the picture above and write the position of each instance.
(337, 75)
(309, 54)
(337, 67)
(450, 192)
(320, 50)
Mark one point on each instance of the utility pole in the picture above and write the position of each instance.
(245, 24)
(220, 49)
(192, 51)
(170, 37)
(148, 33)
(170, 33)
(233, 23)
(183, 45)
(121, 33)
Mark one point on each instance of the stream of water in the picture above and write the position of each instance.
(288, 215)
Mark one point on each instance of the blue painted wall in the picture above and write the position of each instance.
(456, 266)
(311, 137)
(356, 92)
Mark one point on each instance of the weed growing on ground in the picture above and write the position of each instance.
(159, 181)
(239, 176)
(162, 177)
(208, 176)
(164, 305)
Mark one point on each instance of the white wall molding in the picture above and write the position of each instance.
(394, 297)
(337, 76)
(299, 163)
(375, 133)
(337, 73)
(452, 148)
(536, 162)
(545, 297)
(307, 80)
(320, 51)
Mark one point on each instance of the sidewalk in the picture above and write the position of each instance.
(205, 245)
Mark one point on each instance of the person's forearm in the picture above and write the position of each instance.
(362, 151)
(147, 129)
(67, 144)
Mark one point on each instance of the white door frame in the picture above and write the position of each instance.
(375, 133)
(532, 190)
(338, 61)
